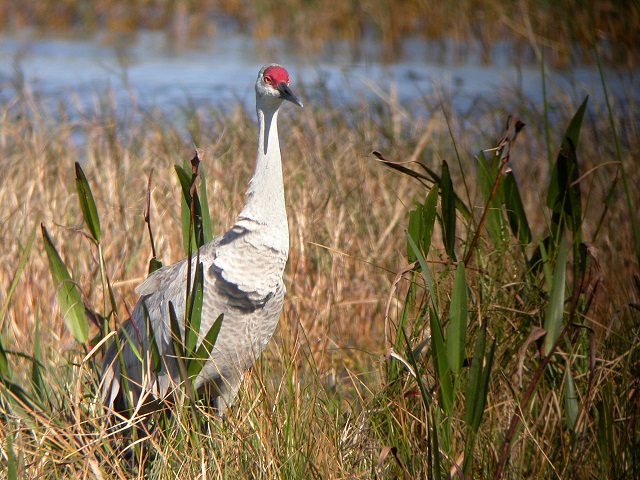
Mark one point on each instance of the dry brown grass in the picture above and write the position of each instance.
(567, 28)
(317, 404)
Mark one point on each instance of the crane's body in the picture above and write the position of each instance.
(242, 270)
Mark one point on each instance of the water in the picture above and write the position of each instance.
(146, 70)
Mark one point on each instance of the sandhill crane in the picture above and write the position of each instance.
(242, 279)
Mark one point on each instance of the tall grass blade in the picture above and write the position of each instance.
(12, 460)
(69, 297)
(448, 212)
(425, 272)
(194, 314)
(457, 329)
(16, 276)
(442, 365)
(555, 309)
(515, 210)
(4, 362)
(176, 336)
(87, 204)
(487, 172)
(429, 218)
(476, 393)
(207, 230)
(571, 406)
(474, 378)
(37, 379)
(415, 228)
(204, 350)
(156, 363)
(635, 228)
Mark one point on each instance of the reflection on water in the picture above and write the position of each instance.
(145, 70)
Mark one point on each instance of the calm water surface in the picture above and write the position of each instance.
(145, 70)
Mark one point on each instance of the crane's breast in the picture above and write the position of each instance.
(246, 266)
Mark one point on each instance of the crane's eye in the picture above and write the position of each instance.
(268, 79)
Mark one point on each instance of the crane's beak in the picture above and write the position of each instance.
(287, 94)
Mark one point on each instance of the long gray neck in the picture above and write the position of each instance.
(265, 195)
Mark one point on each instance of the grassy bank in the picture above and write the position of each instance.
(565, 28)
(328, 400)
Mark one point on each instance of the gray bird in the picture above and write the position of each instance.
(242, 279)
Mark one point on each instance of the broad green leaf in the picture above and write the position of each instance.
(571, 406)
(448, 212)
(457, 329)
(555, 309)
(154, 264)
(476, 393)
(474, 379)
(188, 238)
(69, 298)
(204, 350)
(421, 222)
(443, 372)
(87, 204)
(563, 196)
(515, 210)
(429, 218)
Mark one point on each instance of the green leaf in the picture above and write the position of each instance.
(36, 369)
(429, 218)
(204, 350)
(555, 309)
(4, 362)
(476, 393)
(194, 315)
(188, 238)
(443, 372)
(154, 264)
(425, 271)
(563, 195)
(415, 228)
(448, 207)
(207, 230)
(156, 363)
(87, 204)
(487, 172)
(571, 406)
(69, 298)
(198, 232)
(421, 222)
(12, 460)
(457, 329)
(515, 210)
(176, 337)
(474, 379)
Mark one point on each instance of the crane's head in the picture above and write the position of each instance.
(272, 85)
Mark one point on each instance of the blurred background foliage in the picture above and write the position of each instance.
(564, 27)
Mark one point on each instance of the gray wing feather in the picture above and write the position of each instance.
(243, 281)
